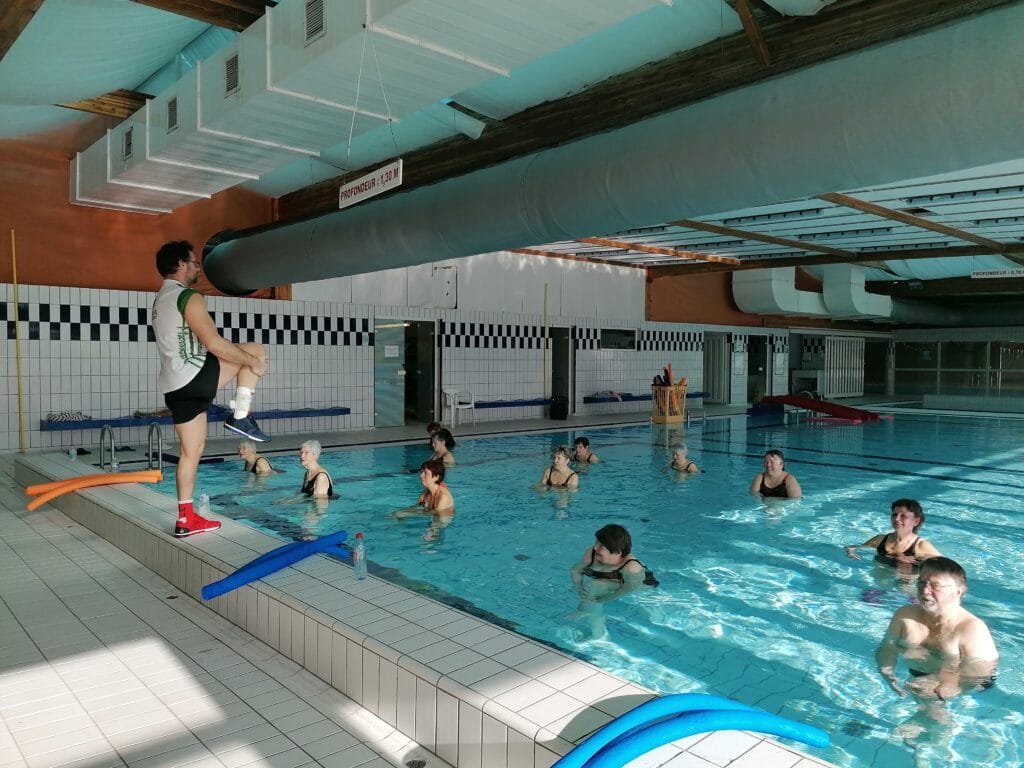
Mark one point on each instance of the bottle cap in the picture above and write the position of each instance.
(359, 535)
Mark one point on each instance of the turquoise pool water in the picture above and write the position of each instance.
(757, 601)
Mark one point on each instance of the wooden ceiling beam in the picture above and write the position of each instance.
(916, 221)
(119, 104)
(744, 234)
(230, 14)
(673, 252)
(752, 29)
(14, 17)
(574, 257)
(689, 76)
(811, 261)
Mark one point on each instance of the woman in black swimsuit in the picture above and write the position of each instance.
(903, 545)
(607, 571)
(258, 465)
(316, 482)
(775, 482)
(558, 475)
(681, 462)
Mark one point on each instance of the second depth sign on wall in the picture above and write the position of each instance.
(381, 180)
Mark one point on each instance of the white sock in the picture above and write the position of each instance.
(242, 402)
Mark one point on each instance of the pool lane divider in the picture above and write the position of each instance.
(45, 492)
(273, 561)
(666, 719)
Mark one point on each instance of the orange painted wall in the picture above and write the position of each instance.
(72, 245)
(707, 298)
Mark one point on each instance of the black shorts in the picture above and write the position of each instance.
(196, 396)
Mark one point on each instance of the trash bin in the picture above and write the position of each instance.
(559, 408)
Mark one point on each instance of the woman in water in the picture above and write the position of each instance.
(442, 442)
(436, 500)
(605, 572)
(681, 462)
(258, 465)
(903, 545)
(558, 475)
(582, 452)
(316, 482)
(775, 482)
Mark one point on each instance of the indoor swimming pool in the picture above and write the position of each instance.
(757, 600)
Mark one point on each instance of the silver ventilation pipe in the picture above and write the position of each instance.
(894, 112)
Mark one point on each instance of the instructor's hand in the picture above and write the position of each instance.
(259, 365)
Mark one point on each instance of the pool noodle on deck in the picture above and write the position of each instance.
(271, 562)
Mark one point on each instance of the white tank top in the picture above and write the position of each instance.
(181, 353)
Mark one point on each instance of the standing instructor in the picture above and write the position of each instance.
(195, 361)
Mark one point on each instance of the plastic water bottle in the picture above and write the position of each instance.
(73, 453)
(204, 503)
(359, 557)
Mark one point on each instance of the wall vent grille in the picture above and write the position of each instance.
(172, 114)
(314, 19)
(231, 75)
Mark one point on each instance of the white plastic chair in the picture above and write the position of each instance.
(456, 400)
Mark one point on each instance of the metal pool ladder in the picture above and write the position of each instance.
(107, 433)
(154, 429)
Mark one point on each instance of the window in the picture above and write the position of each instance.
(126, 147)
(618, 338)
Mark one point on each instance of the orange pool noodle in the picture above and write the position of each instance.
(47, 491)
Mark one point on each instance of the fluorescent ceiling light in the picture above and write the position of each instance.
(844, 233)
(762, 218)
(969, 195)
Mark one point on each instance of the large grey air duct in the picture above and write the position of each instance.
(941, 101)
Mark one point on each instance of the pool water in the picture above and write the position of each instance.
(757, 602)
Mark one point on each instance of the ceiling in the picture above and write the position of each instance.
(923, 236)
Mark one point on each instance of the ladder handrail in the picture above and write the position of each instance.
(155, 426)
(107, 430)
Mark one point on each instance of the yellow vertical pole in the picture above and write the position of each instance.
(17, 344)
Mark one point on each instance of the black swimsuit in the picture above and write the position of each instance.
(309, 486)
(257, 463)
(887, 557)
(559, 485)
(777, 492)
(617, 573)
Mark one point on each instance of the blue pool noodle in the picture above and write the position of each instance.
(270, 562)
(666, 719)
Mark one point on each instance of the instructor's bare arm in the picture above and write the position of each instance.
(198, 318)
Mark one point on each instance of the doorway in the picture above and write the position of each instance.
(389, 373)
(561, 369)
(757, 368)
(420, 377)
(716, 367)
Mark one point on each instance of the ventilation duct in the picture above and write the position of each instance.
(304, 78)
(774, 292)
(798, 7)
(696, 161)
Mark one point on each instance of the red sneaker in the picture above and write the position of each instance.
(190, 524)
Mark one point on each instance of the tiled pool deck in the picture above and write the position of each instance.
(110, 659)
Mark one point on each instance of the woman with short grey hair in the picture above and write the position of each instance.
(258, 465)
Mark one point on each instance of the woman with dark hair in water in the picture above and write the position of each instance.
(442, 442)
(775, 482)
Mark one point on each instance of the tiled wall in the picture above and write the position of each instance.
(90, 351)
(600, 371)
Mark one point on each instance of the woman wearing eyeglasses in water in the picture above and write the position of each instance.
(948, 649)
(903, 545)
